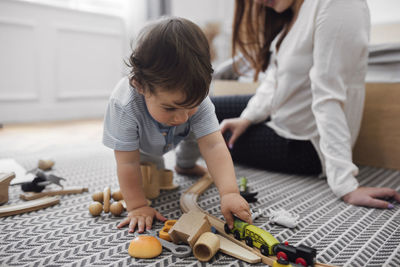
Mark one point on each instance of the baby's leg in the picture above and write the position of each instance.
(187, 153)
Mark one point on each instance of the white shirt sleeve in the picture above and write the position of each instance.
(259, 106)
(340, 42)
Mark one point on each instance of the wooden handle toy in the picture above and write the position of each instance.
(66, 191)
(28, 206)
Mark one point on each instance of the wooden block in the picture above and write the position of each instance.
(28, 206)
(189, 227)
(378, 143)
(5, 179)
(65, 191)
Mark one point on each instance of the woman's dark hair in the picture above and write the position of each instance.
(173, 54)
(254, 28)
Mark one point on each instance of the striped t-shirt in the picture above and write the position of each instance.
(128, 126)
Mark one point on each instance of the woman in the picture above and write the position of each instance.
(306, 113)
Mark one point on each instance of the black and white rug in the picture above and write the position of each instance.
(67, 235)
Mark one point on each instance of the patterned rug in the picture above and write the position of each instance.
(67, 235)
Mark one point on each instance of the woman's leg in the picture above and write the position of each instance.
(261, 147)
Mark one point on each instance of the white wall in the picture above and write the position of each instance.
(384, 11)
(205, 11)
(57, 63)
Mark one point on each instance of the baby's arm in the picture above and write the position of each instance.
(130, 182)
(220, 166)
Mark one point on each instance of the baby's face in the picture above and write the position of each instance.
(163, 108)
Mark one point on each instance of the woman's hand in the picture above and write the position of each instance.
(141, 217)
(372, 197)
(235, 204)
(237, 126)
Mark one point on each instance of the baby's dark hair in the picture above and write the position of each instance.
(173, 54)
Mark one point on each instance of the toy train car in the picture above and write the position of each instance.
(301, 254)
(269, 245)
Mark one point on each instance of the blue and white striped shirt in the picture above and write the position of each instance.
(128, 126)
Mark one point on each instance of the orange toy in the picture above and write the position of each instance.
(164, 231)
(145, 247)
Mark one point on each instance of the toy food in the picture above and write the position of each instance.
(95, 208)
(145, 246)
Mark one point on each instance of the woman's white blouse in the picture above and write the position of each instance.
(315, 84)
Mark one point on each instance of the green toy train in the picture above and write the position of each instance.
(269, 245)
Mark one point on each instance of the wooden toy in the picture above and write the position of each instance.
(5, 179)
(206, 246)
(145, 246)
(98, 196)
(106, 199)
(189, 227)
(116, 208)
(66, 191)
(166, 180)
(117, 195)
(45, 164)
(95, 208)
(28, 206)
(150, 180)
(188, 202)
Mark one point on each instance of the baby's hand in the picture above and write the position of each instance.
(235, 204)
(141, 217)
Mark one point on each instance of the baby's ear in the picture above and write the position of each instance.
(138, 86)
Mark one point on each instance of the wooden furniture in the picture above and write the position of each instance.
(378, 143)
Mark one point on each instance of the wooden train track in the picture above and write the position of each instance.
(188, 202)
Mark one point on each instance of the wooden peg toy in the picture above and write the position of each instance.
(150, 179)
(166, 180)
(106, 199)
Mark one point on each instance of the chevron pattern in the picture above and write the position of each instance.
(67, 235)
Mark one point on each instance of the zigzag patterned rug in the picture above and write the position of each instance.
(67, 235)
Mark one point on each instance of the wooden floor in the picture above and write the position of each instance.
(37, 136)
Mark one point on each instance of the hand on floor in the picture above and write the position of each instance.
(372, 197)
(141, 217)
